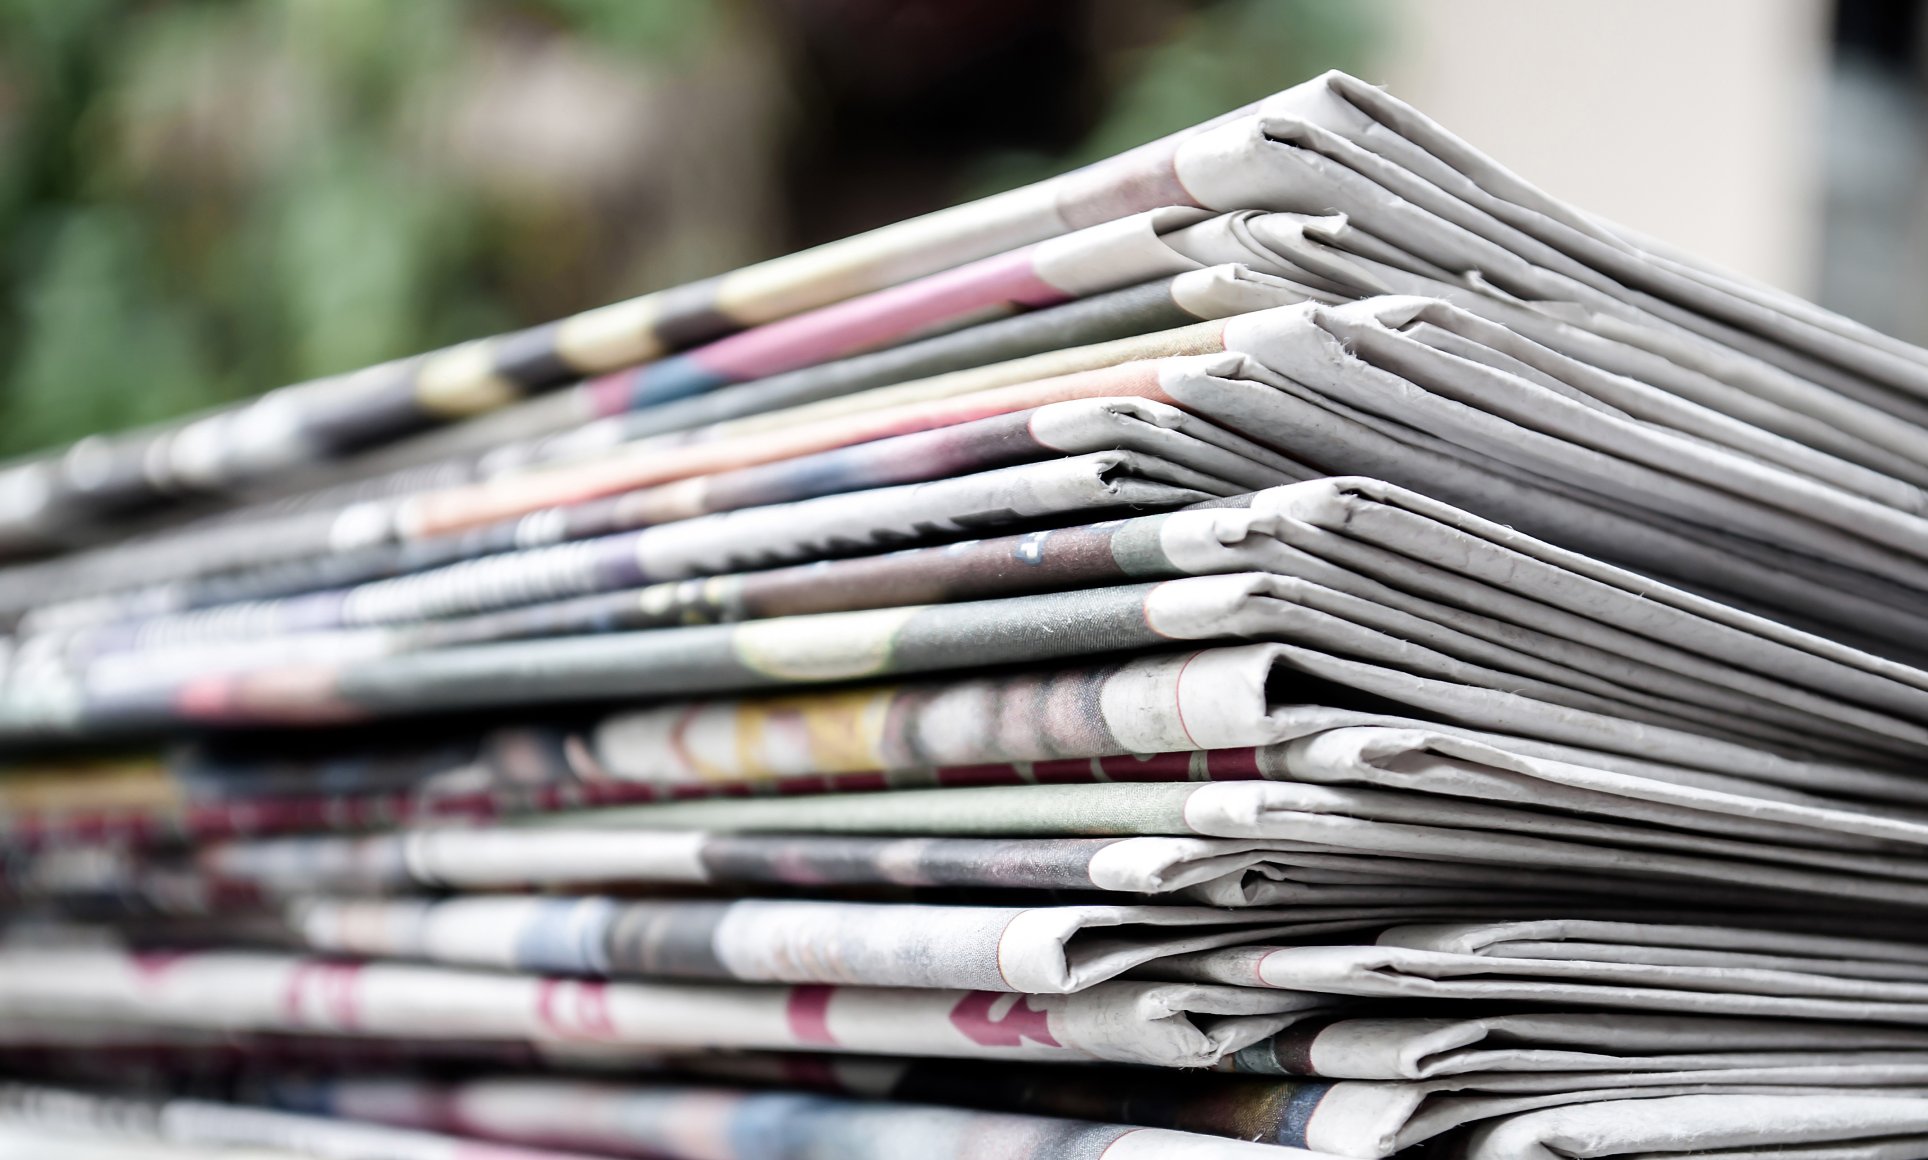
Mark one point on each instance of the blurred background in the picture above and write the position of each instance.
(201, 199)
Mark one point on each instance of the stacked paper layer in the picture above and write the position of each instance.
(1286, 638)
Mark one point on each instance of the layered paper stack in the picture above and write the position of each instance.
(1286, 638)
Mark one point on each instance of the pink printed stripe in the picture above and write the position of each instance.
(574, 1009)
(808, 1011)
(881, 318)
(323, 992)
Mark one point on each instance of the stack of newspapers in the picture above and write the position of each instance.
(1288, 637)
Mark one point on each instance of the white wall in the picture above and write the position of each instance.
(1693, 121)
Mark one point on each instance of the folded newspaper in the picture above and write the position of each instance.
(1289, 637)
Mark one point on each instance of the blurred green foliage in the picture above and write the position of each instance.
(200, 199)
